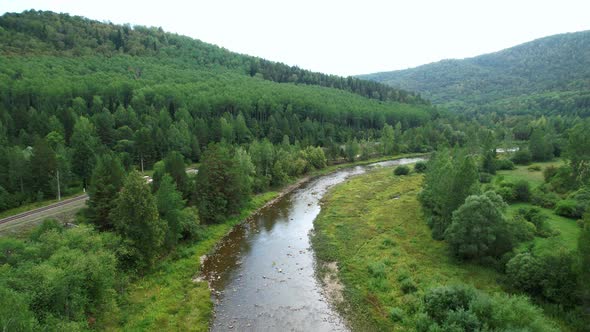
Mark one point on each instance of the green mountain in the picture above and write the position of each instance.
(549, 75)
(87, 88)
(57, 67)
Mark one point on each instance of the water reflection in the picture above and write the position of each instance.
(263, 273)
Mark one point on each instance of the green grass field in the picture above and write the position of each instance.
(373, 227)
(568, 229)
(535, 178)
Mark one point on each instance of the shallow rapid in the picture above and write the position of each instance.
(263, 273)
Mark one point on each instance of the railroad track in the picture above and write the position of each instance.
(44, 208)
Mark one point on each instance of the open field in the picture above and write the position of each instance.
(568, 229)
(521, 172)
(373, 227)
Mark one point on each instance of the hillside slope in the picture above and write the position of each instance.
(38, 32)
(55, 68)
(550, 74)
(85, 88)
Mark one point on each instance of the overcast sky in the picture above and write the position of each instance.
(342, 37)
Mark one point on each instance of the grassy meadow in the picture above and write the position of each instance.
(373, 227)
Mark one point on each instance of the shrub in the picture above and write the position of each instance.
(504, 164)
(420, 167)
(377, 270)
(550, 276)
(563, 180)
(540, 196)
(522, 191)
(463, 308)
(524, 272)
(485, 177)
(559, 278)
(479, 229)
(401, 170)
(549, 172)
(538, 219)
(522, 157)
(569, 208)
(507, 193)
(408, 286)
(396, 314)
(438, 302)
(522, 229)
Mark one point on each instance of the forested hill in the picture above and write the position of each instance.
(549, 75)
(47, 33)
(79, 89)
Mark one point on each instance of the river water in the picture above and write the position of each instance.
(262, 274)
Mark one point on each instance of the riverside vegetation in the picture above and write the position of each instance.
(444, 251)
(90, 105)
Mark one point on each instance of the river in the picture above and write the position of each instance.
(262, 274)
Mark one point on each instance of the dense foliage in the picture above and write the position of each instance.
(549, 75)
(72, 89)
(41, 32)
(463, 308)
(58, 279)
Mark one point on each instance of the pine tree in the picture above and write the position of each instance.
(221, 188)
(83, 143)
(135, 216)
(170, 205)
(540, 147)
(387, 140)
(43, 168)
(107, 180)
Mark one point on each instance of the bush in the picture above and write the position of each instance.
(507, 193)
(524, 272)
(522, 229)
(522, 191)
(420, 167)
(542, 197)
(569, 208)
(401, 170)
(549, 172)
(485, 177)
(479, 229)
(377, 270)
(438, 302)
(463, 308)
(551, 277)
(408, 286)
(504, 164)
(522, 157)
(396, 314)
(538, 219)
(563, 180)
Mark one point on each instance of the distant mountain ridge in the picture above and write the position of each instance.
(550, 74)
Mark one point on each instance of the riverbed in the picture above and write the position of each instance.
(262, 275)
